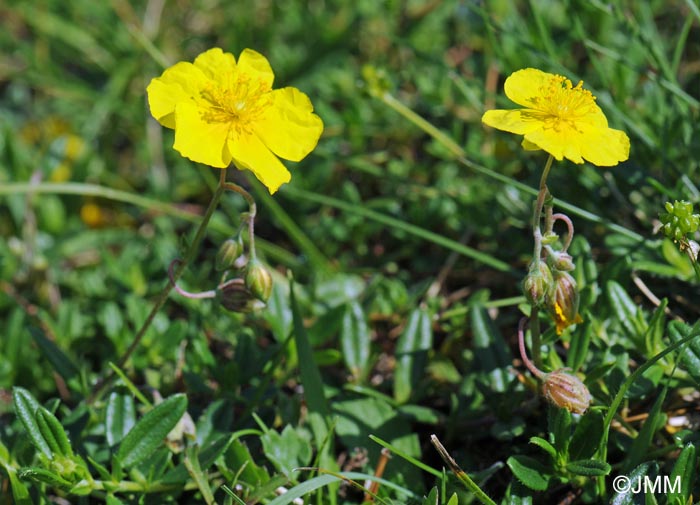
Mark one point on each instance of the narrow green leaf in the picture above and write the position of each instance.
(454, 499)
(689, 354)
(195, 471)
(63, 365)
(683, 470)
(589, 467)
(355, 341)
(587, 435)
(432, 498)
(101, 469)
(625, 485)
(627, 312)
(412, 354)
(546, 446)
(578, 351)
(20, 493)
(53, 432)
(148, 434)
(643, 443)
(25, 408)
(44, 476)
(493, 358)
(120, 417)
(310, 374)
(653, 339)
(530, 472)
(559, 423)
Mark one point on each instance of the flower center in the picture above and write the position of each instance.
(240, 100)
(564, 102)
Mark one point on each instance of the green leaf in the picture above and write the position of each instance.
(53, 433)
(689, 353)
(44, 476)
(148, 434)
(25, 408)
(643, 443)
(559, 422)
(627, 312)
(58, 359)
(684, 469)
(587, 435)
(432, 498)
(490, 350)
(578, 351)
(20, 493)
(653, 339)
(412, 354)
(546, 446)
(195, 471)
(120, 417)
(454, 499)
(530, 472)
(627, 484)
(310, 374)
(589, 467)
(355, 341)
(207, 457)
(287, 450)
(238, 457)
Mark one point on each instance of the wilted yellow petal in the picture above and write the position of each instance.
(199, 140)
(250, 153)
(289, 128)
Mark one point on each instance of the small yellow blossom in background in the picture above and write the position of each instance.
(225, 110)
(559, 118)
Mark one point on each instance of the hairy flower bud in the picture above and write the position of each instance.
(538, 283)
(227, 254)
(561, 261)
(235, 296)
(567, 391)
(258, 280)
(563, 304)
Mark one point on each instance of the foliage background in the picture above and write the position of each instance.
(80, 269)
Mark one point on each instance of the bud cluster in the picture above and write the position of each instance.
(679, 220)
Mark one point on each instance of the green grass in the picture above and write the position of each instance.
(397, 253)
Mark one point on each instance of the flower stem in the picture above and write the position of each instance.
(163, 296)
(523, 352)
(542, 197)
(251, 213)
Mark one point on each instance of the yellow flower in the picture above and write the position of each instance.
(559, 118)
(225, 110)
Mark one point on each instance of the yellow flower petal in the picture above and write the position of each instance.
(249, 152)
(289, 128)
(524, 86)
(514, 121)
(560, 118)
(253, 63)
(216, 64)
(200, 140)
(177, 84)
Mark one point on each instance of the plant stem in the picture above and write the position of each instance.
(251, 213)
(542, 197)
(163, 296)
(523, 352)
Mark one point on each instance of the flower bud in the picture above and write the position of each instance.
(561, 261)
(567, 391)
(227, 254)
(258, 280)
(563, 304)
(538, 283)
(235, 296)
